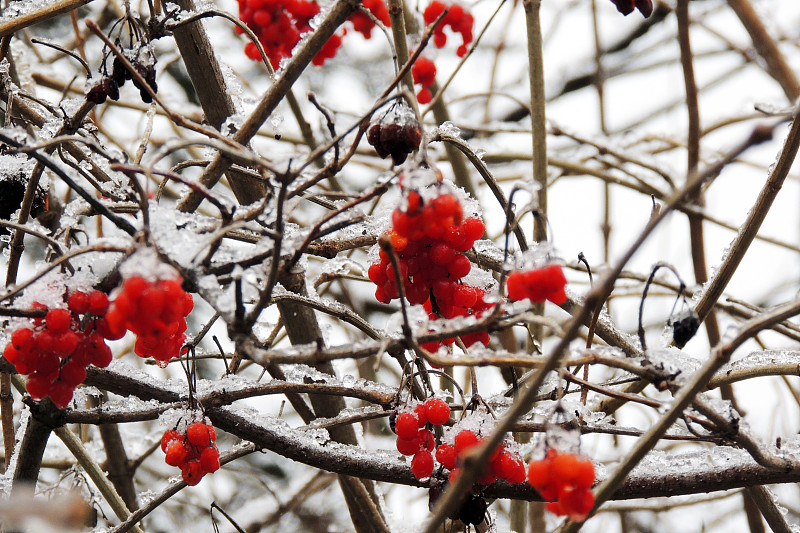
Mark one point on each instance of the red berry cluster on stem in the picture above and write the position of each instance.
(538, 285)
(192, 449)
(503, 463)
(361, 21)
(156, 312)
(457, 18)
(429, 238)
(424, 73)
(279, 25)
(565, 481)
(55, 351)
(414, 436)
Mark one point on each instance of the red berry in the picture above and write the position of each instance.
(422, 465)
(22, 338)
(98, 303)
(424, 71)
(170, 436)
(421, 412)
(465, 440)
(539, 473)
(446, 455)
(73, 373)
(576, 502)
(406, 425)
(176, 454)
(78, 302)
(192, 473)
(427, 440)
(584, 474)
(564, 468)
(408, 446)
(438, 411)
(198, 434)
(38, 386)
(58, 320)
(61, 394)
(209, 460)
(424, 96)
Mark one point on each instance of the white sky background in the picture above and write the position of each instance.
(349, 84)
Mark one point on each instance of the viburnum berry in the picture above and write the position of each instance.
(465, 440)
(198, 434)
(408, 446)
(422, 465)
(175, 454)
(538, 285)
(169, 436)
(363, 24)
(437, 410)
(406, 425)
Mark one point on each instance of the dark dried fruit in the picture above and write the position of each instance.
(374, 139)
(148, 72)
(626, 7)
(119, 73)
(473, 511)
(97, 94)
(12, 190)
(112, 89)
(684, 327)
(397, 134)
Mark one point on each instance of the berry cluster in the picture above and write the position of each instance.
(108, 86)
(193, 450)
(424, 73)
(397, 133)
(279, 24)
(625, 7)
(459, 20)
(56, 350)
(156, 312)
(363, 24)
(414, 437)
(565, 481)
(429, 239)
(538, 285)
(503, 463)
